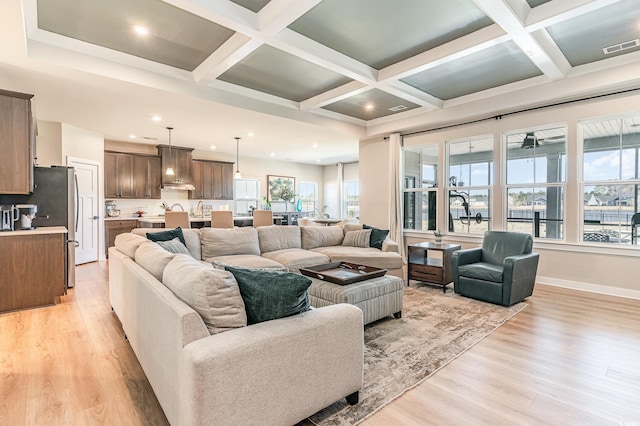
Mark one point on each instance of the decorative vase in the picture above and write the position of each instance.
(299, 205)
(438, 240)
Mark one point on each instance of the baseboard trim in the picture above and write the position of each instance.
(591, 288)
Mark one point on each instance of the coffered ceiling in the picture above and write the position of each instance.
(348, 68)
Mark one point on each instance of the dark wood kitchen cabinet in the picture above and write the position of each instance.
(147, 176)
(213, 180)
(114, 227)
(17, 143)
(118, 175)
(181, 161)
(223, 181)
(33, 268)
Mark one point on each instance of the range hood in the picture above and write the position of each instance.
(180, 160)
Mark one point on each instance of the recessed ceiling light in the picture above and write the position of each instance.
(315, 145)
(318, 160)
(140, 29)
(132, 136)
(250, 134)
(213, 147)
(369, 107)
(156, 118)
(273, 154)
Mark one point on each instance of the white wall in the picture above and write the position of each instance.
(567, 263)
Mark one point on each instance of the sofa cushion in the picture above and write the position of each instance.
(362, 256)
(348, 227)
(247, 261)
(321, 236)
(295, 259)
(229, 241)
(153, 258)
(377, 236)
(191, 236)
(272, 295)
(274, 238)
(357, 238)
(217, 264)
(482, 271)
(128, 243)
(174, 246)
(212, 293)
(167, 235)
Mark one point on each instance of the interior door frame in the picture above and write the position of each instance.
(100, 200)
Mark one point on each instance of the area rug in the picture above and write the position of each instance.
(435, 328)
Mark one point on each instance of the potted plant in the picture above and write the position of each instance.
(438, 235)
(267, 203)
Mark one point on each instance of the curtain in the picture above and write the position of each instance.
(341, 202)
(395, 199)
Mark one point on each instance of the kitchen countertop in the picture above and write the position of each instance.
(38, 231)
(160, 219)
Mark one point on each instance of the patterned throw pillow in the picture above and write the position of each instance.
(357, 238)
(173, 246)
(270, 295)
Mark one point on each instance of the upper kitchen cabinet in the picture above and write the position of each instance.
(17, 143)
(118, 175)
(213, 180)
(223, 181)
(147, 176)
(180, 159)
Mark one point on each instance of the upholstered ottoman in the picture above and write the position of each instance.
(377, 297)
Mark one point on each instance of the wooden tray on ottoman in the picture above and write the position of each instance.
(342, 273)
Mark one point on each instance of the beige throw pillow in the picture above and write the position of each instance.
(321, 236)
(128, 243)
(212, 293)
(357, 238)
(153, 258)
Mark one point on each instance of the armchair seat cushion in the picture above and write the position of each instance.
(482, 271)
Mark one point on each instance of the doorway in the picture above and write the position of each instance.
(88, 208)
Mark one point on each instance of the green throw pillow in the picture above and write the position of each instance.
(377, 236)
(270, 295)
(167, 235)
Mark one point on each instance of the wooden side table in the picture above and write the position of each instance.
(422, 267)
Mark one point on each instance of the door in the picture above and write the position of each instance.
(88, 214)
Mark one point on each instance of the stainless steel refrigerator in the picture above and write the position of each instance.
(55, 195)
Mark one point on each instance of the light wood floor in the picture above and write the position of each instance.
(570, 358)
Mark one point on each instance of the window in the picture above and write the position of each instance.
(307, 194)
(351, 199)
(420, 186)
(469, 185)
(611, 179)
(247, 193)
(536, 176)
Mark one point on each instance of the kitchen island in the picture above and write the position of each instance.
(199, 222)
(33, 265)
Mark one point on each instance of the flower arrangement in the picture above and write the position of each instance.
(438, 235)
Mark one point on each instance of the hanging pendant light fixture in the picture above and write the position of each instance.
(170, 171)
(238, 175)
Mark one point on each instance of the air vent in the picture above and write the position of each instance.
(397, 108)
(622, 46)
(149, 138)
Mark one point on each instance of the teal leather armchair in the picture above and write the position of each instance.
(502, 271)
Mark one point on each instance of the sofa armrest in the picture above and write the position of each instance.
(463, 257)
(390, 246)
(280, 371)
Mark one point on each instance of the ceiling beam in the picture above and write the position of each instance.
(501, 13)
(555, 12)
(334, 95)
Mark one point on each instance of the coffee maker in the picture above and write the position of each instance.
(8, 215)
(112, 208)
(27, 212)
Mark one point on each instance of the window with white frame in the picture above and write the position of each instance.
(611, 179)
(535, 181)
(307, 193)
(247, 193)
(420, 187)
(351, 196)
(469, 184)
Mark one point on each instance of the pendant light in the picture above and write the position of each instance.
(238, 175)
(170, 171)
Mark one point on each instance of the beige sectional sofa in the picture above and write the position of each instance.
(216, 371)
